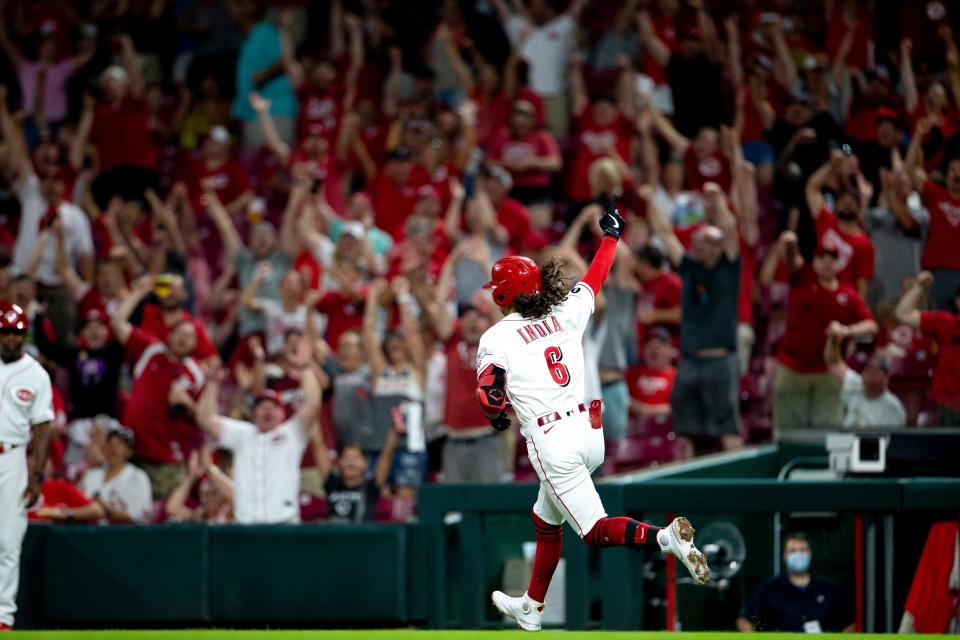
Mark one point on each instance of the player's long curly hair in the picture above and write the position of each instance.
(553, 291)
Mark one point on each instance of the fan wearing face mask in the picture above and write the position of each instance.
(796, 600)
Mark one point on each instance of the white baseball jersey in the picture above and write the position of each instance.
(266, 470)
(128, 491)
(543, 358)
(27, 399)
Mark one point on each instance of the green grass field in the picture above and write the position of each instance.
(408, 634)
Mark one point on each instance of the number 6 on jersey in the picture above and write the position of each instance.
(558, 370)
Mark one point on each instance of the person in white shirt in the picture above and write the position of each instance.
(867, 402)
(545, 40)
(266, 452)
(287, 313)
(42, 203)
(122, 489)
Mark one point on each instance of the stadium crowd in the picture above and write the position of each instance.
(251, 237)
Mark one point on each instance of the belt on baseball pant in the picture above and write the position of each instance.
(556, 415)
(8, 447)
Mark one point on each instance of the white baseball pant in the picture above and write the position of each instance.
(564, 453)
(13, 526)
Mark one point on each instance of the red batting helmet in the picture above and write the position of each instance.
(511, 276)
(13, 317)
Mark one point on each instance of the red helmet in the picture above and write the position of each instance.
(13, 317)
(511, 276)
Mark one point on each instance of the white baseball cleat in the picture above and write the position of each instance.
(677, 538)
(527, 612)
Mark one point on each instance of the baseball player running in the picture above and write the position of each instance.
(26, 401)
(532, 359)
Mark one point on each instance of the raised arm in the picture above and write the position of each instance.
(291, 66)
(385, 462)
(813, 191)
(443, 322)
(371, 342)
(354, 27)
(207, 407)
(503, 10)
(18, 156)
(914, 159)
(784, 70)
(78, 144)
(391, 91)
(131, 64)
(459, 66)
(453, 217)
(221, 219)
(953, 62)
(576, 8)
(309, 411)
(725, 220)
(836, 332)
(790, 251)
(121, 315)
(276, 144)
(290, 242)
(747, 203)
(176, 505)
(248, 297)
(15, 55)
(908, 309)
(612, 226)
(411, 326)
(579, 100)
(908, 82)
(165, 218)
(661, 227)
(656, 47)
(589, 215)
(733, 51)
(665, 128)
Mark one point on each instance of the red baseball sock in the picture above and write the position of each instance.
(549, 545)
(622, 532)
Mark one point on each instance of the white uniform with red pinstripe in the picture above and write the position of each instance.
(26, 399)
(545, 383)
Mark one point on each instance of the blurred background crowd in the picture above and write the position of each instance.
(283, 212)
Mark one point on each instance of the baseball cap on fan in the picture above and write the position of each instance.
(219, 133)
(122, 432)
(117, 73)
(826, 248)
(270, 395)
(352, 228)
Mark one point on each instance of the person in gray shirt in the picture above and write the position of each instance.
(264, 246)
(705, 398)
(898, 229)
(352, 405)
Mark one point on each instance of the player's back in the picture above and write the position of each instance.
(543, 357)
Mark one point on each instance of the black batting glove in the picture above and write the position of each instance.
(501, 422)
(611, 222)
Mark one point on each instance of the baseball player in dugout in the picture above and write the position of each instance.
(26, 405)
(532, 361)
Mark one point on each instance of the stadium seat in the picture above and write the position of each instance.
(649, 426)
(636, 453)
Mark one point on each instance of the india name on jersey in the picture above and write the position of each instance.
(543, 357)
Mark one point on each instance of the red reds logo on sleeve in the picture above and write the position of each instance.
(23, 395)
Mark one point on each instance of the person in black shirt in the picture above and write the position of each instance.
(797, 600)
(93, 364)
(694, 73)
(352, 496)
